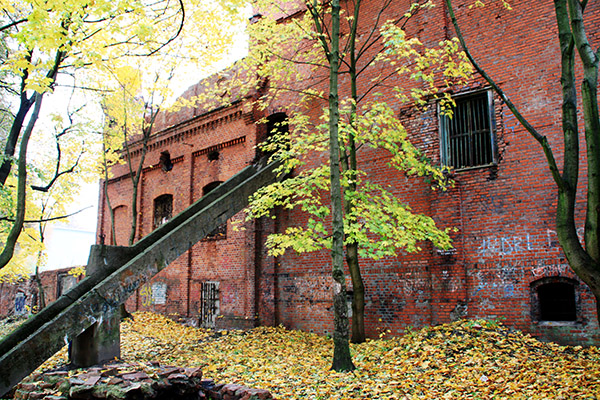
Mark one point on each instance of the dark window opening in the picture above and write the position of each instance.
(467, 137)
(221, 231)
(555, 299)
(557, 302)
(277, 133)
(163, 209)
(213, 156)
(165, 161)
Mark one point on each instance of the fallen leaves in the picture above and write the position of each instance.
(463, 360)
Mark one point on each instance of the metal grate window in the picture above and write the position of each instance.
(467, 137)
(209, 304)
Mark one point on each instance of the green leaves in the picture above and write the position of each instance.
(379, 221)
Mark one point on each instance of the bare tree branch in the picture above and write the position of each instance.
(35, 221)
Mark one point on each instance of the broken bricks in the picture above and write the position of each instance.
(131, 382)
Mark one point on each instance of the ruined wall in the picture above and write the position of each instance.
(21, 298)
(203, 151)
(505, 245)
(506, 242)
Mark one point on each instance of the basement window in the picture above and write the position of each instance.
(163, 209)
(555, 300)
(467, 138)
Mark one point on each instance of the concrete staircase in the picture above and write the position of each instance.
(118, 272)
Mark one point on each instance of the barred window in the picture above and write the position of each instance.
(467, 138)
(209, 304)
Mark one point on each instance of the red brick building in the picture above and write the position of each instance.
(506, 262)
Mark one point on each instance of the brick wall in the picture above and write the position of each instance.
(20, 298)
(504, 214)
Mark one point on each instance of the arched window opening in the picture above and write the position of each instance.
(277, 133)
(122, 228)
(163, 209)
(165, 161)
(555, 299)
(221, 231)
(277, 123)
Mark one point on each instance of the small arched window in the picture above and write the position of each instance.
(165, 161)
(163, 209)
(213, 155)
(277, 133)
(555, 299)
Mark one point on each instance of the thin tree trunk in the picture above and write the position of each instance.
(358, 294)
(41, 295)
(111, 212)
(342, 360)
(351, 165)
(15, 232)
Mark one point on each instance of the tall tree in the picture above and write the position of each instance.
(297, 55)
(130, 122)
(61, 165)
(366, 122)
(47, 39)
(575, 45)
(342, 360)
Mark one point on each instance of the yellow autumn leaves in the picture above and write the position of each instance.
(463, 360)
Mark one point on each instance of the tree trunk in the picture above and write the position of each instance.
(41, 295)
(358, 294)
(342, 360)
(358, 287)
(135, 181)
(13, 137)
(15, 231)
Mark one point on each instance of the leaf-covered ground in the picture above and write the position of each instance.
(463, 360)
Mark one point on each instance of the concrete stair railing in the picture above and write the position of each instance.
(97, 296)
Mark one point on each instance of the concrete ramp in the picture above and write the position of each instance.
(97, 296)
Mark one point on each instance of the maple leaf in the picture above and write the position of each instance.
(465, 359)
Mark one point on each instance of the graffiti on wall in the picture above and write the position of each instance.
(153, 294)
(503, 278)
(20, 303)
(494, 246)
(500, 278)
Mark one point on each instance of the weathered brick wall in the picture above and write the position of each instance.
(504, 214)
(21, 298)
(227, 259)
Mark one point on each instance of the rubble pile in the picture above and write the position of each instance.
(139, 381)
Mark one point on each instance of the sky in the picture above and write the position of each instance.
(65, 240)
